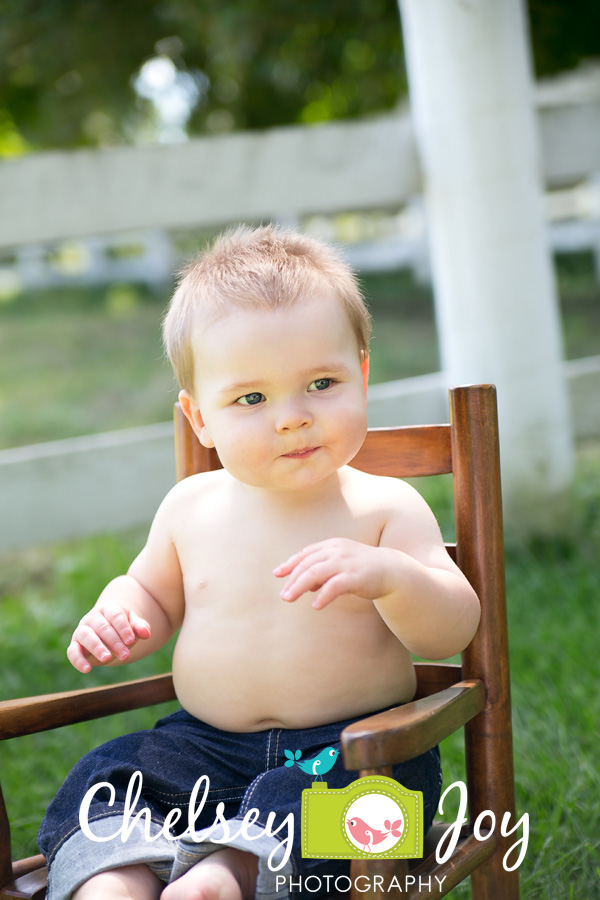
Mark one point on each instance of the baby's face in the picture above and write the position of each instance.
(281, 393)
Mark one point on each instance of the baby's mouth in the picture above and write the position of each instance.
(304, 453)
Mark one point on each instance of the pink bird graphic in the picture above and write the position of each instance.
(365, 835)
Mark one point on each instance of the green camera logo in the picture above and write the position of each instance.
(373, 818)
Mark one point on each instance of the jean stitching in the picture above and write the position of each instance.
(268, 750)
(275, 757)
(279, 733)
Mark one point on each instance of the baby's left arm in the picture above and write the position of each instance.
(420, 593)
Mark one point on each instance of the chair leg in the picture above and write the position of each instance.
(488, 736)
(5, 847)
(490, 783)
(491, 882)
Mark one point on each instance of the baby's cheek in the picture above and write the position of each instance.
(353, 425)
(245, 456)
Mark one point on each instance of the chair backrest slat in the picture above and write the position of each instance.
(406, 452)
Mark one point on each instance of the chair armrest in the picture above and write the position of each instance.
(407, 731)
(30, 715)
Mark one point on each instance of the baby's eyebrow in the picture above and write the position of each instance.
(240, 387)
(333, 368)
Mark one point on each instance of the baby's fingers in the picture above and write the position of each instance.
(337, 586)
(78, 657)
(290, 564)
(309, 577)
(87, 650)
(104, 633)
(87, 637)
(113, 624)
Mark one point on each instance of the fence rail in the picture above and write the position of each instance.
(297, 170)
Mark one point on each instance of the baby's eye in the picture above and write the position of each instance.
(321, 384)
(251, 399)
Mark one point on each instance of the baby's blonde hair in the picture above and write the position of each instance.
(257, 267)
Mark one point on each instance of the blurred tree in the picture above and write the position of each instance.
(563, 33)
(69, 69)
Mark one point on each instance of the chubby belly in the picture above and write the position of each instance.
(295, 669)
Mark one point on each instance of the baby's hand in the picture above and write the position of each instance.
(105, 633)
(335, 567)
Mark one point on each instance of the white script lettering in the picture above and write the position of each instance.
(248, 827)
(453, 833)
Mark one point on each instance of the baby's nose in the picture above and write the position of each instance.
(291, 416)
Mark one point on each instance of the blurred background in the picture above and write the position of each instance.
(130, 133)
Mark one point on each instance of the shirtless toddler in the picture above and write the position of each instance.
(300, 586)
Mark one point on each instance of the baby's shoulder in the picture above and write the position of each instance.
(379, 488)
(405, 518)
(192, 491)
(392, 497)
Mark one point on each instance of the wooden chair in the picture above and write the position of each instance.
(475, 695)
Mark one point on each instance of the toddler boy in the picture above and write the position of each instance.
(299, 585)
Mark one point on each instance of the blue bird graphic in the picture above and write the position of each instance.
(318, 766)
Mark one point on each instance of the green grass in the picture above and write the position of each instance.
(553, 591)
(79, 362)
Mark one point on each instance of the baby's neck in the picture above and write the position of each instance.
(327, 492)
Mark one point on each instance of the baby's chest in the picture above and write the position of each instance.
(233, 567)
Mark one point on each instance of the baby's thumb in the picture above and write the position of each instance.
(140, 627)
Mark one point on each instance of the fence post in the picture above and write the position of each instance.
(473, 107)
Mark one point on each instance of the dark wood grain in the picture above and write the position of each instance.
(34, 714)
(434, 677)
(405, 732)
(480, 554)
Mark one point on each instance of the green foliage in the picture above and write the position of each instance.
(254, 65)
(563, 34)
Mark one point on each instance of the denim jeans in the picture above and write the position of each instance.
(242, 771)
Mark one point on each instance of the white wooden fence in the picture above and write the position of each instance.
(111, 481)
(207, 181)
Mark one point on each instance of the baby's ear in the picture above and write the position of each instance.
(192, 413)
(365, 369)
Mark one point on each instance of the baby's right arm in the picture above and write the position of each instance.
(136, 613)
